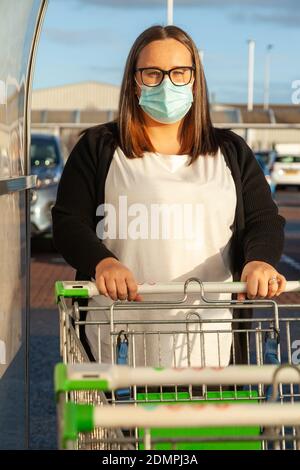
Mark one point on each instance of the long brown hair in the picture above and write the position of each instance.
(197, 132)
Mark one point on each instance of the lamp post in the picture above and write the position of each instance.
(251, 51)
(201, 54)
(170, 8)
(267, 77)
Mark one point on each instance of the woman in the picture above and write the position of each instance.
(163, 150)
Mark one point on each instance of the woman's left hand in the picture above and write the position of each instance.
(262, 281)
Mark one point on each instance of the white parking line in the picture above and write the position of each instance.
(291, 262)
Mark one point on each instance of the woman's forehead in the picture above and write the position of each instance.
(166, 53)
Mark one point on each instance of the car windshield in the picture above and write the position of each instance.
(261, 162)
(263, 157)
(288, 159)
(43, 153)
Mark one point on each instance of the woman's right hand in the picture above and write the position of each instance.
(116, 281)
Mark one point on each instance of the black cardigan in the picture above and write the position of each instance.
(258, 229)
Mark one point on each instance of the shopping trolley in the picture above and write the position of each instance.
(268, 339)
(198, 425)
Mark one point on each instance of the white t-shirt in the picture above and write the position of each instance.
(168, 222)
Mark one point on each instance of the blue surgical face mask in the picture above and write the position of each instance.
(166, 103)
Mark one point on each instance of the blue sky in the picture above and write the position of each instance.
(90, 39)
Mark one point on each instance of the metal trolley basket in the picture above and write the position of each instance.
(239, 424)
(269, 341)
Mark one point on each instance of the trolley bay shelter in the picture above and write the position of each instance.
(20, 27)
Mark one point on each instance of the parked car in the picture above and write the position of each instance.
(265, 160)
(47, 163)
(286, 169)
(267, 157)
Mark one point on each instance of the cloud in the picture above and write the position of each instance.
(286, 19)
(284, 12)
(106, 68)
(282, 4)
(71, 37)
(80, 37)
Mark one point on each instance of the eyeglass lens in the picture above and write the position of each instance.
(179, 76)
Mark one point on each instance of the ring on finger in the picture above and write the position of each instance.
(273, 280)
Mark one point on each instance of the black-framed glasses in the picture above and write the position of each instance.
(153, 76)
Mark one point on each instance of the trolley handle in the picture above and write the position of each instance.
(88, 289)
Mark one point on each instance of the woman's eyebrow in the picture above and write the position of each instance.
(158, 67)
